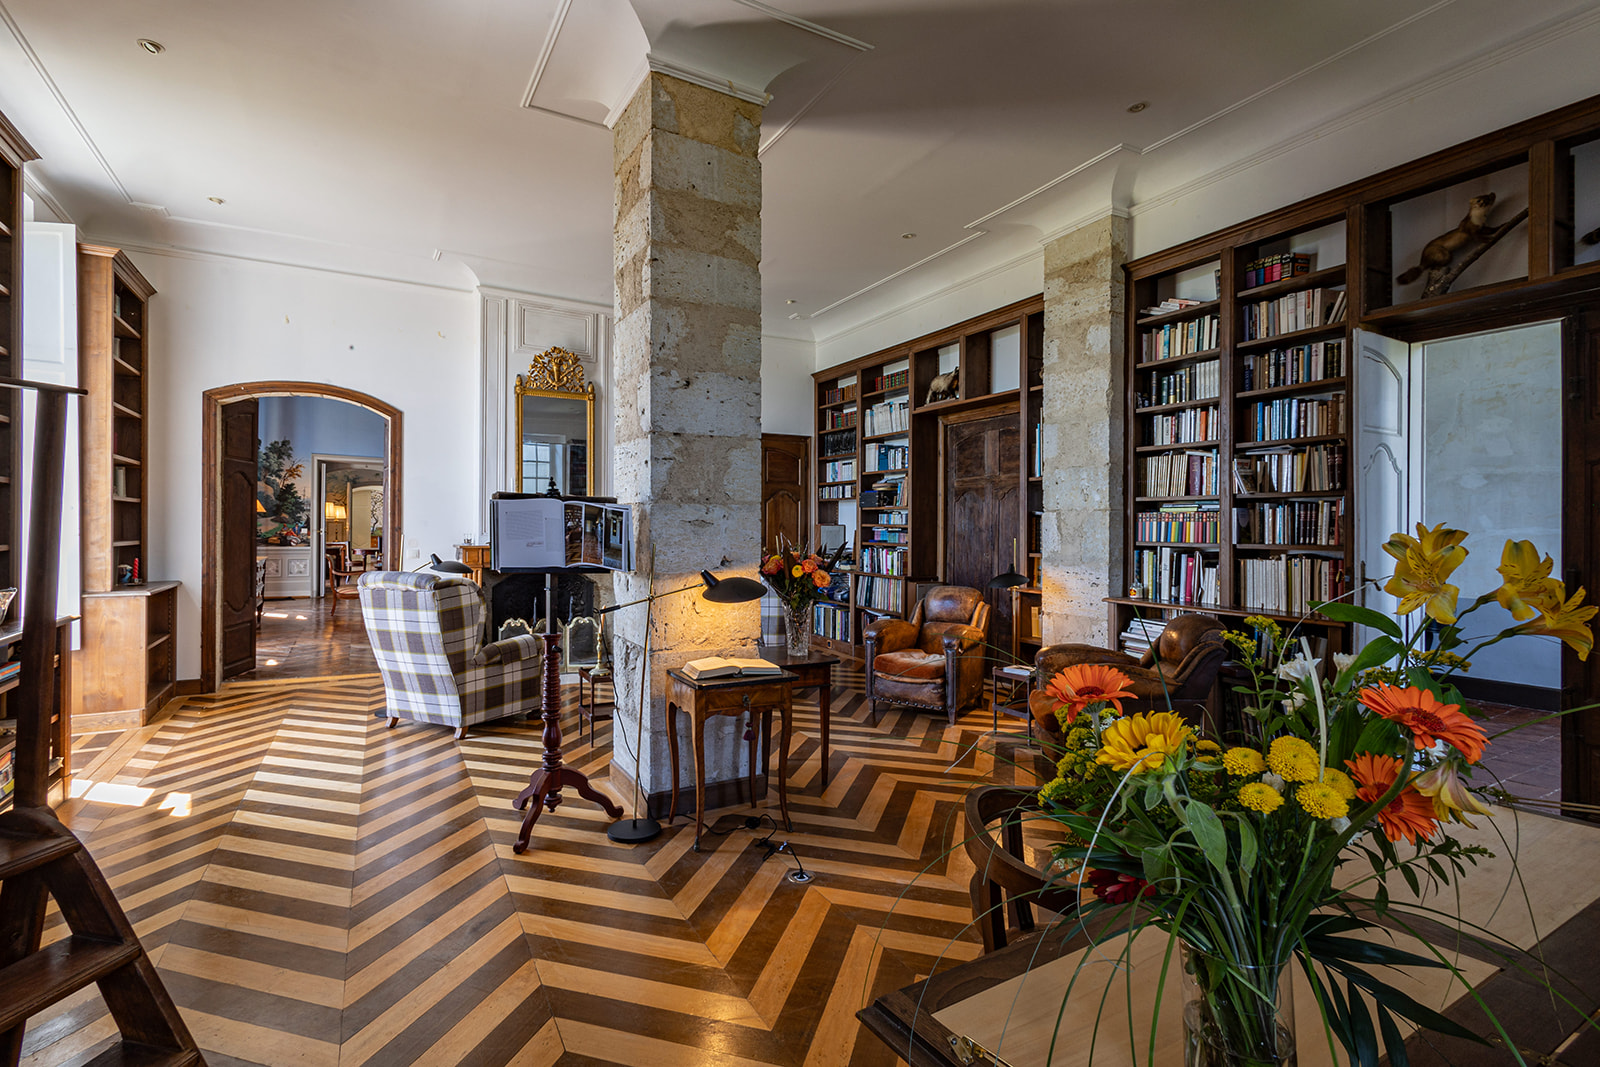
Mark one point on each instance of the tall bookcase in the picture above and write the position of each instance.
(1239, 432)
(878, 466)
(14, 152)
(128, 662)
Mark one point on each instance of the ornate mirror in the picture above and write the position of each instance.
(555, 426)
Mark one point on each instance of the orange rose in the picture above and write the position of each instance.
(809, 566)
(821, 579)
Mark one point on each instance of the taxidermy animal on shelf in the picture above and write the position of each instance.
(1591, 238)
(1442, 249)
(944, 386)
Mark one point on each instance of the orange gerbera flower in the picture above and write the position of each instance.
(1409, 815)
(1428, 720)
(1076, 687)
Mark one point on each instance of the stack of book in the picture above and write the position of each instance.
(1269, 269)
(1140, 635)
(1176, 576)
(1193, 524)
(1315, 469)
(1286, 585)
(1194, 426)
(1197, 381)
(1291, 417)
(1298, 365)
(1304, 310)
(1169, 305)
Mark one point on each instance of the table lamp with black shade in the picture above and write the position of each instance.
(732, 590)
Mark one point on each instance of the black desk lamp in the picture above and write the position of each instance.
(443, 566)
(734, 590)
(1010, 579)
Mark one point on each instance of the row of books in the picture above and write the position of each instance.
(884, 594)
(1192, 524)
(836, 443)
(1304, 310)
(884, 560)
(898, 380)
(1174, 576)
(1269, 269)
(1290, 417)
(839, 470)
(891, 416)
(1140, 635)
(836, 492)
(1313, 469)
(844, 419)
(831, 621)
(1183, 427)
(1180, 474)
(887, 518)
(1299, 365)
(891, 537)
(839, 395)
(1197, 381)
(882, 457)
(1286, 585)
(1169, 305)
(1180, 339)
(1296, 522)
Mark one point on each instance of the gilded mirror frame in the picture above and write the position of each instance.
(557, 373)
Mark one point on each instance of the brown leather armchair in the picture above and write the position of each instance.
(934, 659)
(1180, 667)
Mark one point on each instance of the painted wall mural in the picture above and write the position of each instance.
(281, 510)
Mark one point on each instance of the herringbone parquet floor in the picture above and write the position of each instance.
(316, 889)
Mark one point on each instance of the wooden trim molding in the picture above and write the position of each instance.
(211, 495)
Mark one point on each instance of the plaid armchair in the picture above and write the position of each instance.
(427, 636)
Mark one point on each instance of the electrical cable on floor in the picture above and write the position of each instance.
(799, 874)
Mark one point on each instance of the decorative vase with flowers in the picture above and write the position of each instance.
(800, 579)
(1231, 845)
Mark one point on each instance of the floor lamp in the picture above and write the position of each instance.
(735, 590)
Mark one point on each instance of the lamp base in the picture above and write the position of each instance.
(633, 831)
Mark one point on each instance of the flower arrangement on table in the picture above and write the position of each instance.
(800, 579)
(1232, 848)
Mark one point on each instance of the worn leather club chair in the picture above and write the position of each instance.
(1180, 667)
(934, 659)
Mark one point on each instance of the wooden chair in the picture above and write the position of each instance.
(1003, 880)
(341, 580)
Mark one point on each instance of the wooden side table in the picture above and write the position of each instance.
(476, 557)
(588, 710)
(814, 670)
(733, 697)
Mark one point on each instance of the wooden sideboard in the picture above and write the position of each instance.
(289, 570)
(476, 557)
(128, 666)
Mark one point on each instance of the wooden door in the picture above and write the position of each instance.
(238, 529)
(1382, 463)
(785, 500)
(981, 457)
(1580, 550)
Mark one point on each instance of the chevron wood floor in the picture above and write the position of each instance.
(316, 889)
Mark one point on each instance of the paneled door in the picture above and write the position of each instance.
(785, 500)
(238, 629)
(981, 452)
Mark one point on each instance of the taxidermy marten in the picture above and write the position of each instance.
(1591, 238)
(1439, 251)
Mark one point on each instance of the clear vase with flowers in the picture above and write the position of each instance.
(800, 579)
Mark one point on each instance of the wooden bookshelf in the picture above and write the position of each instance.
(876, 414)
(126, 666)
(14, 152)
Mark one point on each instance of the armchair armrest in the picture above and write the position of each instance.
(963, 640)
(890, 635)
(512, 649)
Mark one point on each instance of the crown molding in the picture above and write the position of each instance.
(1085, 220)
(1053, 182)
(175, 251)
(42, 194)
(562, 303)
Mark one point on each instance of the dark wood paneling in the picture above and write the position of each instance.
(238, 621)
(982, 457)
(1580, 550)
(785, 492)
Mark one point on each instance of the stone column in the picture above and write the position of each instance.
(687, 374)
(1083, 429)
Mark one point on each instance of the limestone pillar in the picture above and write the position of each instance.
(1083, 429)
(687, 375)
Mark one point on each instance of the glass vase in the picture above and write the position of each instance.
(1236, 1015)
(797, 629)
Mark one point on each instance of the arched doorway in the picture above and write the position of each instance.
(223, 596)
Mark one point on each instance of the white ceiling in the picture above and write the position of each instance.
(464, 141)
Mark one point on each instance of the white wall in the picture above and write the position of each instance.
(787, 402)
(216, 322)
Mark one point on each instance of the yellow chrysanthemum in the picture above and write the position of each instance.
(1244, 762)
(1423, 564)
(1322, 801)
(1293, 759)
(1339, 781)
(1143, 741)
(1258, 796)
(1207, 748)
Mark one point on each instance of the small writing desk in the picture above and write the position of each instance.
(734, 696)
(813, 670)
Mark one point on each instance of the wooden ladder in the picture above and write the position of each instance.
(39, 857)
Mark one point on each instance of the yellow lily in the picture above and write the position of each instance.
(1527, 581)
(1452, 797)
(1424, 562)
(1566, 620)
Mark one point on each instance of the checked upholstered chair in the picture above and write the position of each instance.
(934, 659)
(427, 636)
(1180, 667)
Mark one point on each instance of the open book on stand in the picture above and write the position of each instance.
(718, 667)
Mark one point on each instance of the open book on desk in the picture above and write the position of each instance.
(718, 667)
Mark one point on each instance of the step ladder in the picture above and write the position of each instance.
(41, 859)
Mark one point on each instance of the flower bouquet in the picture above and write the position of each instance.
(800, 579)
(1232, 848)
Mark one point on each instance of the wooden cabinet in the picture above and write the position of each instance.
(880, 466)
(128, 667)
(14, 152)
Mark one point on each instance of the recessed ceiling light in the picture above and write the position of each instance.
(1134, 109)
(155, 48)
(216, 200)
(788, 301)
(907, 236)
